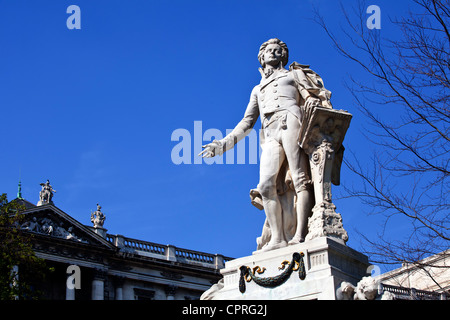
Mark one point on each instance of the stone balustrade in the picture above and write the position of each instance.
(403, 293)
(167, 252)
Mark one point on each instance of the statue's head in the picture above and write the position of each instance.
(273, 49)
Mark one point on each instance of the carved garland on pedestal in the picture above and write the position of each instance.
(248, 274)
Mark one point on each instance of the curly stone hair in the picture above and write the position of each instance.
(284, 54)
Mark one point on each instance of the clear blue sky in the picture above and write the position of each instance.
(93, 110)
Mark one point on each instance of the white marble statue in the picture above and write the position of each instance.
(282, 99)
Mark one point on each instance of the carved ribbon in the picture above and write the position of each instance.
(296, 264)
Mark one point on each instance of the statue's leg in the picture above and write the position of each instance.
(298, 165)
(271, 159)
(304, 210)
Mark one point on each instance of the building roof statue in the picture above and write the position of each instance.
(46, 194)
(98, 217)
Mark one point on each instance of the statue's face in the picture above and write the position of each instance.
(272, 54)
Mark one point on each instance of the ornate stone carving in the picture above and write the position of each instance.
(366, 289)
(326, 222)
(323, 131)
(51, 227)
(171, 275)
(100, 274)
(248, 274)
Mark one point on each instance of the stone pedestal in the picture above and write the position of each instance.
(100, 231)
(326, 262)
(43, 203)
(323, 131)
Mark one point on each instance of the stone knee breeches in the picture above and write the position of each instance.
(281, 136)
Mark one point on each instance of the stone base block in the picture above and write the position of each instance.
(326, 261)
(100, 231)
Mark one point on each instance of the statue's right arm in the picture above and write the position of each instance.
(218, 147)
(244, 126)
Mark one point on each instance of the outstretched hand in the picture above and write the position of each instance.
(211, 149)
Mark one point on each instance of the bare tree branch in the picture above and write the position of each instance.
(409, 175)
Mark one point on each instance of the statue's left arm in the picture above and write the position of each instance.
(310, 86)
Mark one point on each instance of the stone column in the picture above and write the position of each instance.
(73, 281)
(70, 293)
(118, 285)
(98, 285)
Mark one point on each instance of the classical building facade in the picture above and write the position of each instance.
(90, 264)
(428, 279)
